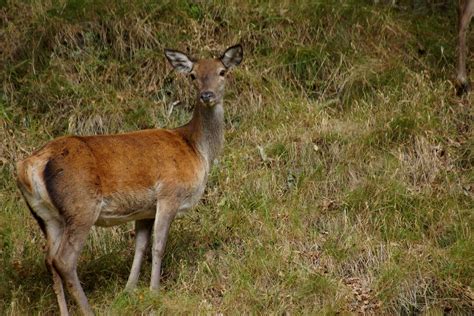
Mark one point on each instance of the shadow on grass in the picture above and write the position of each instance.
(111, 270)
(28, 283)
(25, 283)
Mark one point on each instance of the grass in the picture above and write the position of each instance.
(346, 180)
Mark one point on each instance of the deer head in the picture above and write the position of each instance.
(207, 74)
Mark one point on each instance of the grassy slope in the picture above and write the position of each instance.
(361, 201)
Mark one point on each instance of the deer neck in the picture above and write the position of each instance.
(206, 130)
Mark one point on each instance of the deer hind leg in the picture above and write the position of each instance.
(142, 237)
(65, 263)
(65, 259)
(466, 10)
(53, 230)
(54, 233)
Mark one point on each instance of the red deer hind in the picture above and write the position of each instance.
(148, 176)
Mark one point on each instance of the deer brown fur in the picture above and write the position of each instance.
(148, 176)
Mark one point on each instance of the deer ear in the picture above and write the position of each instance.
(233, 56)
(180, 61)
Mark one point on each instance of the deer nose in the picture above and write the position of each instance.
(207, 96)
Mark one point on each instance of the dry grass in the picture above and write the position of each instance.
(346, 182)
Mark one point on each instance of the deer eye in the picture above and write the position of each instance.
(193, 76)
(222, 73)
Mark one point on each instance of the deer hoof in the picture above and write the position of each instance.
(463, 88)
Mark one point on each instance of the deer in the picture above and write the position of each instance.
(465, 13)
(147, 176)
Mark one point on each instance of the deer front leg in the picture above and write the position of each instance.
(164, 216)
(142, 238)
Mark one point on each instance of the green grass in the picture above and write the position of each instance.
(345, 184)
